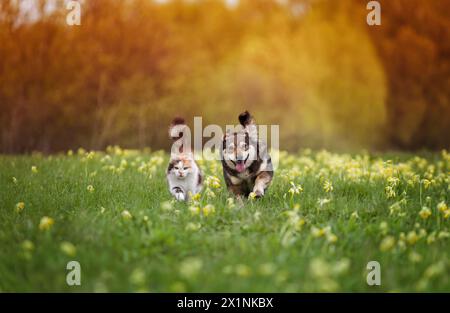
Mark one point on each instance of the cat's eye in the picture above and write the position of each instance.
(176, 167)
(185, 168)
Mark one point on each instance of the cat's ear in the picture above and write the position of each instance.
(171, 164)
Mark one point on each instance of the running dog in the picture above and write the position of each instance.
(247, 166)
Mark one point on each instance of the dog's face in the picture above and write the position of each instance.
(238, 151)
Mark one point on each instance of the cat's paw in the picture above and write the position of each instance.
(180, 196)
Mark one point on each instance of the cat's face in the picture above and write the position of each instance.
(180, 168)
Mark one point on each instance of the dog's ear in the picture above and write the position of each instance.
(245, 118)
(247, 121)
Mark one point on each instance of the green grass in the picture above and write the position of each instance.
(280, 243)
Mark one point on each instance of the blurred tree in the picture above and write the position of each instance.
(312, 66)
(414, 44)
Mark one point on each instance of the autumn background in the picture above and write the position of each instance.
(312, 66)
(364, 115)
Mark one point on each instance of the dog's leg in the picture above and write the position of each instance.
(236, 189)
(262, 181)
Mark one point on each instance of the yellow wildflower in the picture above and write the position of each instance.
(27, 245)
(19, 207)
(443, 234)
(212, 181)
(138, 277)
(327, 186)
(126, 215)
(393, 181)
(68, 248)
(332, 238)
(442, 206)
(193, 226)
(426, 183)
(387, 243)
(195, 197)
(412, 237)
(414, 257)
(425, 213)
(319, 232)
(390, 192)
(34, 169)
(90, 188)
(323, 201)
(178, 287)
(190, 267)
(431, 238)
(230, 202)
(195, 210)
(209, 193)
(243, 270)
(252, 196)
(166, 206)
(46, 223)
(295, 189)
(266, 269)
(434, 270)
(384, 227)
(208, 209)
(447, 213)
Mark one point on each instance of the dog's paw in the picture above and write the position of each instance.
(259, 193)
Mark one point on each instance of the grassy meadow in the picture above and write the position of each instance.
(323, 219)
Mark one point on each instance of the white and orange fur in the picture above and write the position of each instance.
(184, 177)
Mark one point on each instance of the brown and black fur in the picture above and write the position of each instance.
(258, 172)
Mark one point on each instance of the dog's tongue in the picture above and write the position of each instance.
(240, 167)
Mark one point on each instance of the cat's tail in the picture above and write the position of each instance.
(177, 128)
